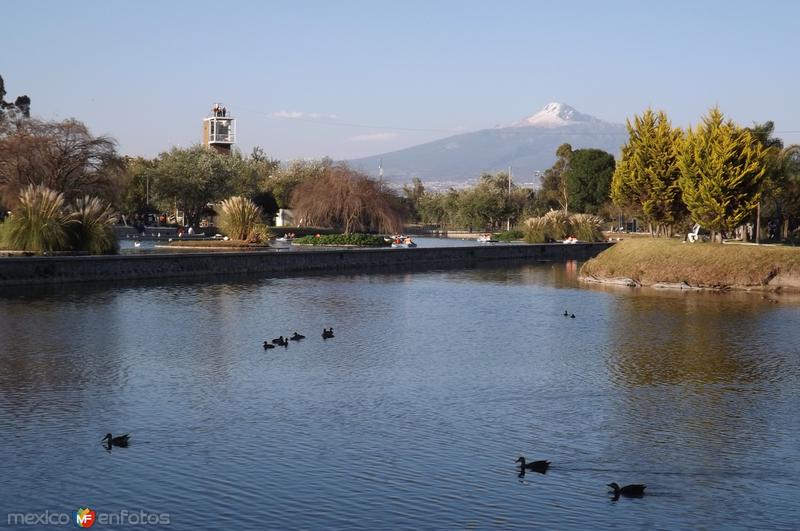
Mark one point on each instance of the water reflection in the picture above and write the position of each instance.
(429, 372)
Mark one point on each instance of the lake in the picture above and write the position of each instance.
(413, 415)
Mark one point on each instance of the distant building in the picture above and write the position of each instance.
(219, 130)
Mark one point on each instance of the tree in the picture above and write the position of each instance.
(347, 200)
(135, 195)
(190, 179)
(481, 206)
(21, 108)
(722, 170)
(63, 156)
(412, 195)
(646, 177)
(588, 179)
(439, 208)
(282, 182)
(553, 192)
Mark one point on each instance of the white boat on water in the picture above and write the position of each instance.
(486, 238)
(404, 245)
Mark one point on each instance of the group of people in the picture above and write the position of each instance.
(402, 239)
(219, 110)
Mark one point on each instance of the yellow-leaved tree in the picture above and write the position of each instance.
(722, 170)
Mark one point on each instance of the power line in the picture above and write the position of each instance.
(554, 132)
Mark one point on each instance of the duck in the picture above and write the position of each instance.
(267, 345)
(566, 313)
(537, 466)
(119, 440)
(327, 333)
(297, 337)
(280, 341)
(137, 244)
(572, 316)
(631, 491)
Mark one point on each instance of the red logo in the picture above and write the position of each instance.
(85, 517)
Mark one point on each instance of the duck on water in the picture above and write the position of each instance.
(630, 491)
(120, 440)
(536, 466)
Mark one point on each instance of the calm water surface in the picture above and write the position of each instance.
(413, 416)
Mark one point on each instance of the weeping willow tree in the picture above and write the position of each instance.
(722, 170)
(347, 200)
(646, 177)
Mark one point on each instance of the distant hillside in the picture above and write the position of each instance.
(527, 145)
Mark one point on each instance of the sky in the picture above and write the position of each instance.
(347, 79)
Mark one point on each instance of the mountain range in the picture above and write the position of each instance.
(527, 145)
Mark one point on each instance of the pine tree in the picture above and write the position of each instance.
(646, 177)
(722, 171)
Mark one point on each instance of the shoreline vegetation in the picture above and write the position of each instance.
(659, 263)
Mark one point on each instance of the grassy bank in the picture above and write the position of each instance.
(649, 262)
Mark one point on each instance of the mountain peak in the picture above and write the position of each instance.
(555, 115)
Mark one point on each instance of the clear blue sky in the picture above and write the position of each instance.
(147, 72)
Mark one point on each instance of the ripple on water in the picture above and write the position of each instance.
(413, 416)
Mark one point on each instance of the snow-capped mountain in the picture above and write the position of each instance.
(528, 145)
(555, 115)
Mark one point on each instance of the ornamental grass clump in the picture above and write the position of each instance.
(557, 225)
(241, 220)
(93, 231)
(586, 227)
(535, 230)
(41, 223)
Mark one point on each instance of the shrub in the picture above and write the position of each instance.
(509, 235)
(587, 227)
(535, 230)
(93, 231)
(556, 225)
(241, 220)
(360, 240)
(40, 223)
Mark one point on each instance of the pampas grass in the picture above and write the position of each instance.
(241, 220)
(94, 230)
(41, 223)
(557, 225)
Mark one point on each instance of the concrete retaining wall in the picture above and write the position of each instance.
(58, 269)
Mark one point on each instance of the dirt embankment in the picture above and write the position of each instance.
(673, 264)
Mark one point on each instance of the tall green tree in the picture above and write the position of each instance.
(722, 171)
(646, 177)
(553, 192)
(588, 179)
(190, 179)
(411, 197)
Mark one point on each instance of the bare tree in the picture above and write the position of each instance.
(64, 156)
(347, 200)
